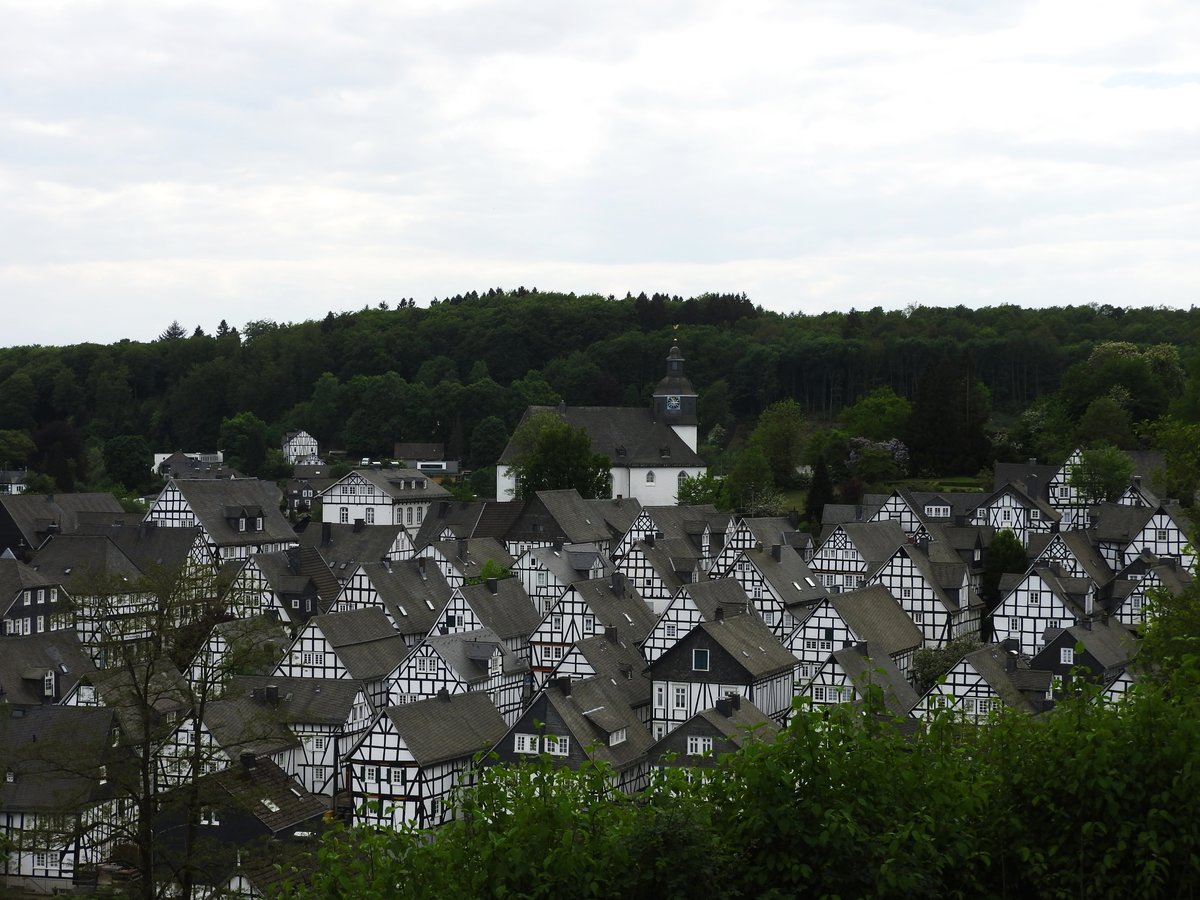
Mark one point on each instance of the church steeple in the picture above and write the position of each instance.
(674, 400)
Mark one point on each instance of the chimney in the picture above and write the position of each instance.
(271, 694)
(358, 525)
(610, 633)
(618, 584)
(724, 708)
(462, 549)
(735, 700)
(421, 568)
(794, 519)
(326, 533)
(443, 695)
(564, 685)
(649, 539)
(249, 761)
(719, 614)
(493, 584)
(557, 545)
(443, 507)
(777, 552)
(858, 513)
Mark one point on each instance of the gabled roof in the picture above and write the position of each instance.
(622, 609)
(55, 754)
(1080, 547)
(672, 559)
(402, 485)
(1110, 643)
(152, 547)
(35, 516)
(364, 640)
(618, 513)
(751, 644)
(592, 711)
(467, 653)
(414, 601)
(866, 668)
(131, 690)
(788, 574)
(1009, 675)
(724, 594)
(344, 546)
(448, 727)
(620, 663)
(509, 611)
(218, 505)
(301, 701)
(16, 577)
(568, 564)
(24, 662)
(468, 556)
(79, 562)
(745, 721)
(1033, 479)
(574, 519)
(628, 436)
(241, 725)
(1112, 522)
(248, 788)
(873, 614)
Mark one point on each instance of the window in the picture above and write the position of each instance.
(408, 516)
(1035, 515)
(1014, 624)
(270, 804)
(818, 693)
(617, 737)
(802, 670)
(48, 684)
(700, 660)
(810, 643)
(1035, 598)
(311, 658)
(319, 742)
(650, 477)
(1006, 516)
(918, 617)
(41, 860)
(589, 624)
(87, 693)
(420, 514)
(968, 704)
(28, 597)
(768, 617)
(672, 631)
(556, 652)
(370, 515)
(242, 523)
(660, 696)
(558, 745)
(398, 775)
(683, 476)
(318, 774)
(1160, 534)
(906, 593)
(1066, 656)
(343, 515)
(1054, 623)
(698, 745)
(425, 665)
(209, 816)
(826, 645)
(556, 623)
(541, 579)
(681, 697)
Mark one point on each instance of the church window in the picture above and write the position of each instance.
(683, 476)
(650, 477)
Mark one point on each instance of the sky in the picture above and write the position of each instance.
(247, 160)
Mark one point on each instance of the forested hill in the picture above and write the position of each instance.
(363, 380)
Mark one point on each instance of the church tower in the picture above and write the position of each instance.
(674, 401)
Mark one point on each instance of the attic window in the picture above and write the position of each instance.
(270, 804)
(664, 452)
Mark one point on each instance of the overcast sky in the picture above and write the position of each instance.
(251, 159)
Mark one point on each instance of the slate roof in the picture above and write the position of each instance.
(569, 564)
(448, 727)
(152, 547)
(875, 541)
(468, 556)
(1111, 644)
(25, 660)
(55, 754)
(873, 614)
(623, 609)
(398, 484)
(621, 664)
(751, 644)
(303, 701)
(1081, 548)
(364, 640)
(241, 725)
(129, 691)
(347, 545)
(1010, 676)
(725, 594)
(746, 721)
(575, 519)
(215, 503)
(32, 515)
(509, 612)
(673, 560)
(415, 603)
(842, 513)
(592, 710)
(79, 562)
(467, 653)
(789, 576)
(1112, 522)
(618, 513)
(865, 668)
(246, 788)
(628, 436)
(15, 578)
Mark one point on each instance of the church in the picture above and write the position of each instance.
(652, 450)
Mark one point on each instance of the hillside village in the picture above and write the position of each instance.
(195, 689)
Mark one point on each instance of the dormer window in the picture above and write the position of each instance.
(242, 524)
(664, 452)
(48, 683)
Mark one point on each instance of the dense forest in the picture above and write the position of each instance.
(1006, 382)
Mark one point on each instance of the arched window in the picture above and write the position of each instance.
(344, 515)
(650, 477)
(683, 476)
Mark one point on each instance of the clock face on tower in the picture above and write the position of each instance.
(673, 403)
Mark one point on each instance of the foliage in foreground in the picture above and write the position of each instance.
(1093, 800)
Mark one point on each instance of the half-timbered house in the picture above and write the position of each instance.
(1038, 600)
(500, 605)
(361, 646)
(412, 593)
(850, 552)
(300, 449)
(1012, 509)
(915, 511)
(731, 655)
(343, 547)
(57, 807)
(868, 615)
(1140, 581)
(781, 587)
(1122, 533)
(464, 560)
(26, 520)
(278, 585)
(30, 602)
(463, 662)
(378, 496)
(750, 533)
(41, 669)
(238, 647)
(404, 770)
(1071, 553)
(701, 601)
(546, 572)
(573, 721)
(933, 586)
(701, 741)
(238, 517)
(585, 609)
(983, 681)
(862, 675)
(1097, 652)
(326, 716)
(658, 567)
